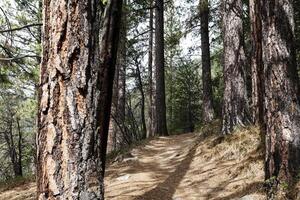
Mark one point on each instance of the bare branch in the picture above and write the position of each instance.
(22, 27)
(20, 57)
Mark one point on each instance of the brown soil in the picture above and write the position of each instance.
(182, 167)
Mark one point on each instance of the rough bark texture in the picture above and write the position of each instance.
(120, 117)
(150, 71)
(160, 99)
(235, 106)
(113, 128)
(75, 98)
(119, 90)
(256, 63)
(208, 113)
(281, 99)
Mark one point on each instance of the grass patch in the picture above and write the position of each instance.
(16, 182)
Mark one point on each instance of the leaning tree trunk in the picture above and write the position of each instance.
(256, 63)
(75, 98)
(208, 113)
(160, 96)
(281, 98)
(235, 105)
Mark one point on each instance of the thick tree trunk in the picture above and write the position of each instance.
(150, 71)
(281, 99)
(235, 105)
(75, 98)
(118, 107)
(160, 98)
(256, 63)
(208, 113)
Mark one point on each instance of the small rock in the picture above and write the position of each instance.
(248, 197)
(123, 178)
(176, 198)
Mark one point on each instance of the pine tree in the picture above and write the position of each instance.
(75, 97)
(281, 98)
(160, 99)
(235, 103)
(208, 112)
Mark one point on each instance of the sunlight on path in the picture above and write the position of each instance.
(182, 167)
(155, 162)
(175, 168)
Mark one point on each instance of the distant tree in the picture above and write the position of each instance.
(173, 34)
(160, 99)
(11, 133)
(187, 96)
(235, 110)
(75, 96)
(150, 72)
(208, 113)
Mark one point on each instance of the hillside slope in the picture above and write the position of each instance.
(183, 167)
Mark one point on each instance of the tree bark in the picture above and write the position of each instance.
(140, 86)
(208, 113)
(281, 99)
(256, 63)
(15, 154)
(75, 97)
(20, 147)
(150, 71)
(119, 93)
(160, 99)
(235, 104)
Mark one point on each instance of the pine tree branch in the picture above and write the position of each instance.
(22, 27)
(19, 58)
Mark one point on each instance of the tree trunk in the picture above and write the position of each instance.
(281, 97)
(160, 99)
(140, 86)
(150, 71)
(256, 63)
(75, 98)
(113, 125)
(208, 113)
(20, 140)
(118, 113)
(235, 106)
(12, 151)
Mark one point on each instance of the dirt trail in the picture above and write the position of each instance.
(182, 167)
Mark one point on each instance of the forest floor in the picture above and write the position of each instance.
(183, 167)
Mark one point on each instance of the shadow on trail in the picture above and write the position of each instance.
(166, 189)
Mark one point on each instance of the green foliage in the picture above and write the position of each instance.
(16, 108)
(217, 81)
(15, 182)
(184, 94)
(104, 2)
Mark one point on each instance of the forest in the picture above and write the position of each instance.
(149, 99)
